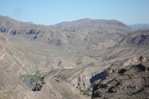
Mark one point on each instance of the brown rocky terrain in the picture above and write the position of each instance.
(130, 82)
(20, 70)
(126, 78)
(66, 56)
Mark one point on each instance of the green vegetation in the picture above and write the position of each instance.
(86, 92)
(30, 80)
(109, 57)
(35, 78)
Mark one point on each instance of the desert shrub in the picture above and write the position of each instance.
(86, 92)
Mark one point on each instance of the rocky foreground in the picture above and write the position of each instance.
(131, 82)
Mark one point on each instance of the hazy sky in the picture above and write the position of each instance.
(49, 12)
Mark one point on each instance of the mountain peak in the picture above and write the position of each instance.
(90, 23)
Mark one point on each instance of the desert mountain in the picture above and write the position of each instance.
(85, 33)
(93, 24)
(59, 60)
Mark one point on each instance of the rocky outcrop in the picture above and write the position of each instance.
(39, 84)
(126, 83)
(3, 30)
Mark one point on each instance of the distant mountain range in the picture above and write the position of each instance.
(139, 26)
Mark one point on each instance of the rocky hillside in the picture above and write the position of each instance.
(23, 65)
(118, 80)
(130, 82)
(139, 38)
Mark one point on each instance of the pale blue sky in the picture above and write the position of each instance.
(50, 12)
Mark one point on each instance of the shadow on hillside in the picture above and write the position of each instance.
(99, 76)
